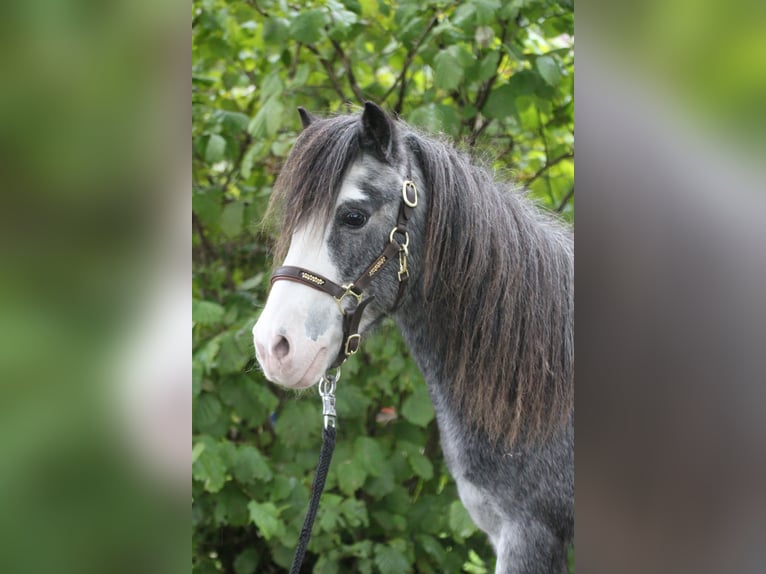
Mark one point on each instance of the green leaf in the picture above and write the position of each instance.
(301, 75)
(197, 451)
(459, 521)
(209, 468)
(329, 518)
(231, 506)
(421, 466)
(449, 118)
(390, 561)
(234, 354)
(327, 563)
(500, 103)
(486, 11)
(246, 167)
(527, 83)
(390, 521)
(352, 402)
(250, 465)
(447, 70)
(488, 66)
(368, 452)
(268, 119)
(341, 17)
(432, 547)
(275, 30)
(429, 514)
(308, 26)
(355, 512)
(206, 312)
(464, 16)
(207, 206)
(399, 501)
(251, 400)
(369, 8)
(382, 485)
(417, 408)
(208, 351)
(234, 122)
(275, 117)
(207, 410)
(282, 487)
(231, 219)
(351, 476)
(272, 86)
(354, 5)
(246, 562)
(549, 70)
(265, 516)
(362, 549)
(291, 427)
(216, 146)
(418, 461)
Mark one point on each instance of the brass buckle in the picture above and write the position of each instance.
(358, 338)
(349, 291)
(407, 202)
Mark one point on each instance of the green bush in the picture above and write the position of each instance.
(495, 76)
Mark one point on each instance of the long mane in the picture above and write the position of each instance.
(499, 271)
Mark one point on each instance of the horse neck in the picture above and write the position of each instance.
(427, 323)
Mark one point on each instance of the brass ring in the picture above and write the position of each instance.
(407, 183)
(396, 230)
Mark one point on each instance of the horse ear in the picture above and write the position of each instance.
(306, 118)
(379, 128)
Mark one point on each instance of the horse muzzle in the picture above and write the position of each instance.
(285, 363)
(294, 335)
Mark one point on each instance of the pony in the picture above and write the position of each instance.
(487, 312)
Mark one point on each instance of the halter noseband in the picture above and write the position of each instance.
(354, 291)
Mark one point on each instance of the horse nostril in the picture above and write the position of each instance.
(282, 348)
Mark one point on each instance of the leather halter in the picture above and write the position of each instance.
(353, 292)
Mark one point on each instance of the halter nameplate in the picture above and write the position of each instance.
(378, 265)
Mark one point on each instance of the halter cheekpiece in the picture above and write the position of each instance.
(349, 297)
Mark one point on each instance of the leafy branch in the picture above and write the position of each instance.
(548, 164)
(567, 197)
(401, 80)
(349, 71)
(327, 65)
(480, 124)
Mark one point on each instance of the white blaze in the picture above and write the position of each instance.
(299, 332)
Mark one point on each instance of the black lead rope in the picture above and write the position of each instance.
(327, 392)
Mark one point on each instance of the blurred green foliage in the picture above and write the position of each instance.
(717, 85)
(494, 76)
(92, 171)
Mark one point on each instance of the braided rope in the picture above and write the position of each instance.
(325, 456)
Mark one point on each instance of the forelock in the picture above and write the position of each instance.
(310, 179)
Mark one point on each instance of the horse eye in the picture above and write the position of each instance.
(354, 218)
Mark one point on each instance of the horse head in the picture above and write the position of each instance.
(348, 202)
